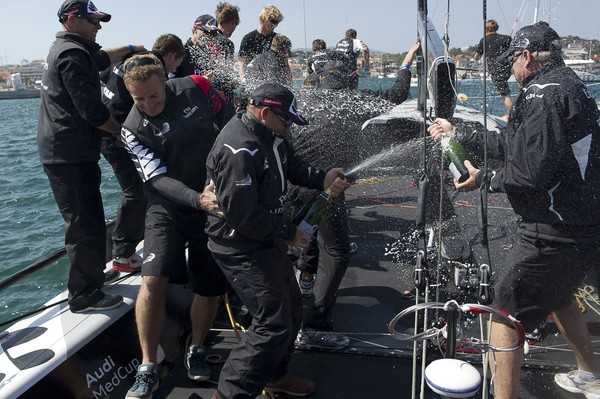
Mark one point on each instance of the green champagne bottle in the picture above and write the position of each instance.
(311, 214)
(455, 155)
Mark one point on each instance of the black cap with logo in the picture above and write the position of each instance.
(81, 8)
(274, 95)
(207, 23)
(537, 37)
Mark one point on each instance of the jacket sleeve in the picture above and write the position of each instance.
(236, 187)
(398, 93)
(537, 148)
(83, 87)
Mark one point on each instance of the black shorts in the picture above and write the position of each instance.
(168, 230)
(542, 276)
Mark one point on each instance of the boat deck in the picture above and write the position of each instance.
(377, 286)
(382, 215)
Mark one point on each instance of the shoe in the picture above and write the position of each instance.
(306, 284)
(353, 247)
(94, 300)
(572, 382)
(196, 365)
(111, 276)
(292, 385)
(133, 264)
(322, 340)
(146, 382)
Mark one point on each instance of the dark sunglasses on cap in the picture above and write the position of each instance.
(287, 122)
(91, 20)
(514, 57)
(140, 62)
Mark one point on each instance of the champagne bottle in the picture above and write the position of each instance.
(311, 214)
(455, 154)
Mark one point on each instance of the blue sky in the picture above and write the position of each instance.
(28, 27)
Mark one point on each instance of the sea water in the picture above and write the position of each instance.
(30, 224)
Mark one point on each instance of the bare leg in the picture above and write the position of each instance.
(508, 103)
(574, 330)
(150, 315)
(202, 314)
(505, 366)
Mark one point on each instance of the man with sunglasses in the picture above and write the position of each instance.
(551, 176)
(209, 53)
(71, 121)
(259, 40)
(168, 133)
(129, 223)
(250, 165)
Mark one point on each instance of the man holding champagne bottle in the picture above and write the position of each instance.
(551, 175)
(250, 165)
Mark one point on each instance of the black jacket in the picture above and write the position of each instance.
(268, 67)
(250, 166)
(169, 150)
(71, 108)
(551, 150)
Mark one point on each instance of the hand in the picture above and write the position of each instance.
(408, 59)
(471, 183)
(441, 127)
(301, 239)
(208, 201)
(139, 47)
(336, 185)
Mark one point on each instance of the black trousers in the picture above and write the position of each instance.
(265, 282)
(131, 212)
(76, 189)
(328, 256)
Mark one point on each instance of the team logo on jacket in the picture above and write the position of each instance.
(246, 181)
(236, 150)
(189, 111)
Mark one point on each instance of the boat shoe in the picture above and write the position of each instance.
(132, 264)
(94, 300)
(572, 382)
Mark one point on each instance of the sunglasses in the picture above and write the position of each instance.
(140, 62)
(514, 57)
(287, 122)
(91, 20)
(274, 21)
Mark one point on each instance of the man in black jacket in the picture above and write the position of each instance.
(250, 165)
(129, 224)
(551, 148)
(168, 134)
(334, 138)
(71, 120)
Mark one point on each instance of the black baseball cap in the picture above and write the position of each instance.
(82, 8)
(274, 95)
(207, 23)
(537, 37)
